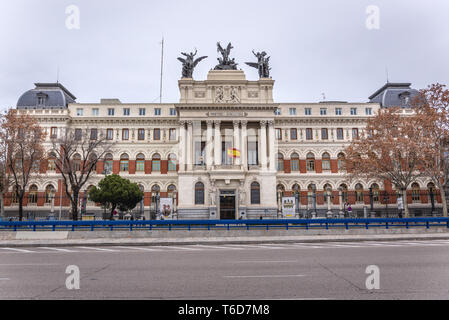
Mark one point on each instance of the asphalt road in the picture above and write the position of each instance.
(407, 270)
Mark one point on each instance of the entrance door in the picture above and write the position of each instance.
(227, 205)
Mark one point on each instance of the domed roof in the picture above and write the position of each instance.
(394, 95)
(46, 96)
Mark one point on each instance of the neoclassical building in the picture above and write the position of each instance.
(227, 150)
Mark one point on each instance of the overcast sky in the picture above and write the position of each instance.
(315, 46)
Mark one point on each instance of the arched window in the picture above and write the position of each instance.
(326, 163)
(140, 162)
(296, 188)
(341, 162)
(76, 162)
(171, 193)
(51, 162)
(280, 162)
(49, 193)
(375, 189)
(431, 188)
(171, 162)
(344, 192)
(310, 194)
(199, 193)
(255, 193)
(124, 163)
(155, 189)
(416, 192)
(294, 163)
(156, 162)
(93, 161)
(358, 192)
(108, 161)
(310, 162)
(32, 194)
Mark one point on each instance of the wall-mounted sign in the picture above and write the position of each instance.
(227, 114)
(288, 207)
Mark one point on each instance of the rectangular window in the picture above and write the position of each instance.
(125, 134)
(157, 134)
(200, 148)
(53, 132)
(309, 134)
(310, 165)
(355, 133)
(252, 152)
(124, 165)
(339, 133)
(277, 112)
(338, 111)
(368, 111)
(156, 165)
(324, 135)
(157, 111)
(172, 111)
(126, 111)
(293, 134)
(323, 111)
(109, 134)
(140, 165)
(308, 111)
(78, 134)
(51, 165)
(141, 134)
(111, 111)
(353, 111)
(95, 112)
(278, 134)
(172, 134)
(142, 111)
(93, 134)
(79, 112)
(292, 111)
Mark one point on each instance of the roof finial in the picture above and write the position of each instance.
(386, 71)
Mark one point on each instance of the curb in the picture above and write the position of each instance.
(218, 241)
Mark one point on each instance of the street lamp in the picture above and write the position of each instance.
(328, 199)
(297, 201)
(371, 202)
(386, 199)
(314, 201)
(432, 201)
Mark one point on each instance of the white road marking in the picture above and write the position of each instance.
(140, 248)
(27, 264)
(58, 249)
(265, 261)
(19, 250)
(216, 247)
(183, 248)
(268, 276)
(99, 249)
(3, 279)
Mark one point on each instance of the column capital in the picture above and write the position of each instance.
(189, 122)
(217, 122)
(182, 122)
(263, 122)
(236, 123)
(271, 123)
(209, 123)
(244, 122)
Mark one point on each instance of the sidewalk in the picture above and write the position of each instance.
(142, 241)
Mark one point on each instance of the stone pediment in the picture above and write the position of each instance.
(226, 87)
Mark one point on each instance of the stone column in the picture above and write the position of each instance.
(263, 144)
(272, 141)
(244, 146)
(189, 139)
(217, 143)
(237, 140)
(209, 156)
(182, 146)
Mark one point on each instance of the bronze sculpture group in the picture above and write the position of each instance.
(225, 62)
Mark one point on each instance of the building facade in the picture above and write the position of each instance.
(227, 150)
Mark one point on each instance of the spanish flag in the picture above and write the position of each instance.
(233, 152)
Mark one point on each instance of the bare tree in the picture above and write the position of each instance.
(22, 139)
(77, 154)
(390, 149)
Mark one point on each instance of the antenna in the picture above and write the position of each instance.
(324, 96)
(386, 71)
(162, 70)
(57, 74)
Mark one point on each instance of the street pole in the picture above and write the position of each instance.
(314, 201)
(371, 202)
(60, 193)
(340, 196)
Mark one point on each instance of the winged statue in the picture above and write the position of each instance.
(262, 64)
(225, 63)
(189, 63)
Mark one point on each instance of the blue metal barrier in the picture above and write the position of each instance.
(287, 224)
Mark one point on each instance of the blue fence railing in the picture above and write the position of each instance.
(225, 224)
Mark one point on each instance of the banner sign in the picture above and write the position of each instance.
(166, 207)
(288, 207)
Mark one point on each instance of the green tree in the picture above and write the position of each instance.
(116, 192)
